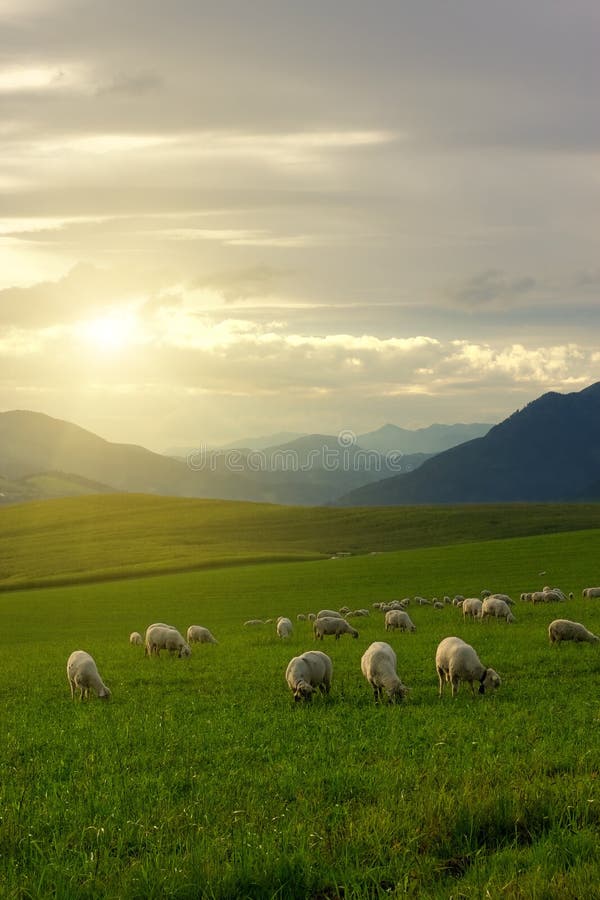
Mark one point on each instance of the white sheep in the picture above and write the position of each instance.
(590, 593)
(311, 617)
(329, 614)
(398, 618)
(197, 634)
(565, 630)
(378, 665)
(136, 638)
(331, 625)
(165, 637)
(344, 610)
(254, 622)
(83, 675)
(284, 627)
(457, 661)
(471, 608)
(498, 608)
(438, 604)
(508, 600)
(308, 672)
(301, 617)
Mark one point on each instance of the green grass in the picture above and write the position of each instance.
(202, 778)
(115, 536)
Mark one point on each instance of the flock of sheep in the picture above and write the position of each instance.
(455, 660)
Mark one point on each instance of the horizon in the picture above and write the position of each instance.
(224, 220)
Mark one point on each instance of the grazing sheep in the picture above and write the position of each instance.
(254, 622)
(311, 617)
(398, 618)
(165, 637)
(331, 625)
(83, 675)
(471, 608)
(196, 634)
(590, 593)
(329, 614)
(565, 630)
(301, 617)
(344, 610)
(546, 596)
(421, 601)
(526, 596)
(498, 608)
(484, 593)
(438, 604)
(457, 661)
(378, 665)
(284, 627)
(136, 638)
(308, 672)
(458, 598)
(504, 597)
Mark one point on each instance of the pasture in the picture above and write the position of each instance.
(202, 778)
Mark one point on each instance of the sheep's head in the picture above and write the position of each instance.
(398, 693)
(491, 681)
(184, 652)
(354, 633)
(303, 691)
(104, 693)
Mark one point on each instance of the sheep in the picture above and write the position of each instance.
(421, 601)
(398, 618)
(330, 625)
(284, 627)
(471, 608)
(590, 593)
(165, 637)
(495, 606)
(254, 622)
(301, 617)
(565, 630)
(196, 634)
(378, 665)
(82, 673)
(311, 617)
(360, 613)
(438, 604)
(484, 593)
(457, 661)
(329, 614)
(135, 638)
(458, 598)
(508, 600)
(549, 596)
(526, 596)
(396, 604)
(344, 610)
(307, 672)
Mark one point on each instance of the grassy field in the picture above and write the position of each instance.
(202, 778)
(114, 536)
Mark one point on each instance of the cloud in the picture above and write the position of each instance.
(493, 288)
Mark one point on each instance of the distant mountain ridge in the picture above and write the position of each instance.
(548, 451)
(432, 439)
(33, 446)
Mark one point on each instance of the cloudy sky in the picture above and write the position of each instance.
(225, 219)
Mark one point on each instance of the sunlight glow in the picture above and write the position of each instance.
(110, 333)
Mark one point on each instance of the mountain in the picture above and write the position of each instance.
(300, 472)
(255, 443)
(432, 439)
(550, 450)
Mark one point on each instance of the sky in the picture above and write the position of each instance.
(228, 219)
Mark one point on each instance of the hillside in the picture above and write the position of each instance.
(548, 451)
(297, 473)
(114, 535)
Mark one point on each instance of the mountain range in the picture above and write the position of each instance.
(44, 457)
(548, 451)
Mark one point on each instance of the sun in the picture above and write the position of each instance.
(110, 333)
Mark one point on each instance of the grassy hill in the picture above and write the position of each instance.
(121, 535)
(202, 778)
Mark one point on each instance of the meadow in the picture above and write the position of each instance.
(202, 778)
